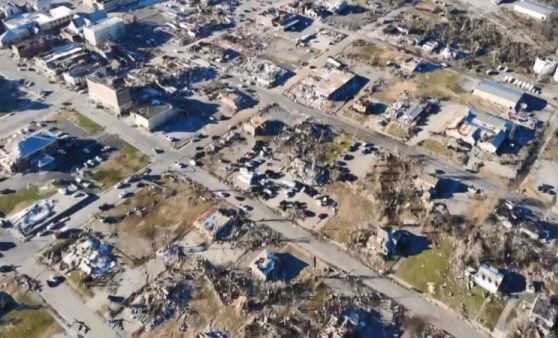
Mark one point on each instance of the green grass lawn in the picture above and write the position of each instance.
(337, 146)
(85, 123)
(34, 321)
(434, 266)
(88, 125)
(23, 198)
(126, 162)
(491, 313)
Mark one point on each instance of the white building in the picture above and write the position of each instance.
(545, 66)
(105, 30)
(534, 10)
(151, 117)
(489, 278)
(56, 17)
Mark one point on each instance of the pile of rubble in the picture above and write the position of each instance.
(93, 256)
(165, 298)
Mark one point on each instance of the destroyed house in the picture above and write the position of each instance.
(388, 241)
(428, 182)
(414, 113)
(499, 94)
(266, 266)
(508, 215)
(489, 278)
(29, 152)
(484, 130)
(92, 256)
(76, 76)
(544, 314)
(268, 74)
(277, 18)
(532, 229)
(32, 47)
(213, 222)
(236, 100)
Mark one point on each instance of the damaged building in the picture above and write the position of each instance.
(213, 222)
(151, 116)
(266, 266)
(103, 31)
(25, 25)
(110, 92)
(266, 73)
(325, 84)
(483, 130)
(92, 256)
(29, 152)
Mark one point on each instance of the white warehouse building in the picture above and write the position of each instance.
(545, 66)
(104, 31)
(534, 10)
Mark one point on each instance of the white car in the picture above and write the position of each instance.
(78, 194)
(179, 165)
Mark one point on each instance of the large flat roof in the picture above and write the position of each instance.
(496, 89)
(38, 17)
(535, 7)
(104, 23)
(327, 81)
(23, 146)
(150, 111)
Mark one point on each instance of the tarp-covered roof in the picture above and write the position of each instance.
(32, 144)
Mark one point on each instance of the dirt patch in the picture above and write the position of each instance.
(369, 53)
(398, 131)
(551, 150)
(354, 210)
(122, 164)
(442, 150)
(440, 84)
(158, 214)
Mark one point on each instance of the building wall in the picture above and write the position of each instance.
(55, 23)
(495, 99)
(119, 102)
(97, 35)
(530, 13)
(156, 121)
